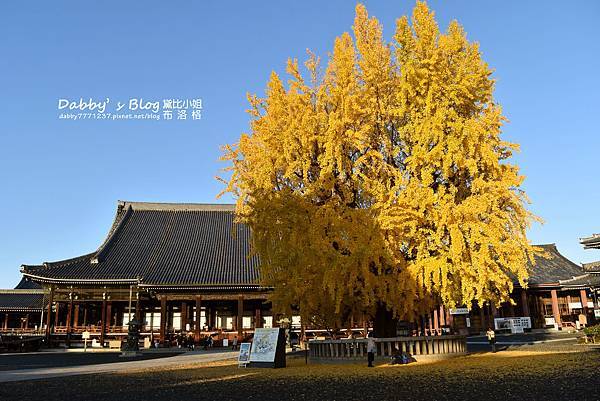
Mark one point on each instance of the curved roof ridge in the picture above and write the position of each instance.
(62, 262)
(569, 261)
(121, 215)
(65, 262)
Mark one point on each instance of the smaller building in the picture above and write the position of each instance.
(21, 308)
(559, 294)
(592, 242)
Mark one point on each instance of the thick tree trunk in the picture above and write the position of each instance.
(384, 324)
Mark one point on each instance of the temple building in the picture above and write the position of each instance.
(21, 308)
(592, 242)
(177, 267)
(559, 294)
(186, 269)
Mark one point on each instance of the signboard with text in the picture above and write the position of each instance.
(514, 324)
(268, 348)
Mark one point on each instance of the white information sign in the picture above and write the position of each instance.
(514, 324)
(459, 311)
(264, 345)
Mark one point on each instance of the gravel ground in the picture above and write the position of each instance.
(554, 371)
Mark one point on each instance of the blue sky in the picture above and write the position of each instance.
(60, 180)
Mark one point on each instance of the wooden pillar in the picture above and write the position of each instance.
(525, 304)
(436, 321)
(69, 314)
(258, 318)
(240, 315)
(234, 320)
(212, 317)
(163, 319)
(26, 321)
(69, 317)
(49, 315)
(102, 321)
(56, 321)
(541, 310)
(152, 324)
(450, 319)
(555, 308)
(85, 313)
(442, 316)
(197, 327)
(108, 315)
(6, 321)
(584, 302)
(76, 316)
(183, 316)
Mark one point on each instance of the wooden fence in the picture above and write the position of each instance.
(386, 347)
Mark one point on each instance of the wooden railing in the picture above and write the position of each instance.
(387, 347)
(93, 329)
(17, 331)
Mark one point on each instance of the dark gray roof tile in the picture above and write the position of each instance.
(552, 267)
(21, 300)
(165, 244)
(27, 284)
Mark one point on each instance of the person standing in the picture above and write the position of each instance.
(491, 336)
(235, 343)
(370, 349)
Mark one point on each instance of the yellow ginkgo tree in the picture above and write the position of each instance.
(379, 184)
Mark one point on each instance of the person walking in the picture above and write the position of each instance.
(370, 349)
(491, 336)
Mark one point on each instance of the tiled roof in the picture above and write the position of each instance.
(198, 245)
(586, 280)
(552, 267)
(27, 284)
(164, 244)
(592, 267)
(21, 300)
(592, 242)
